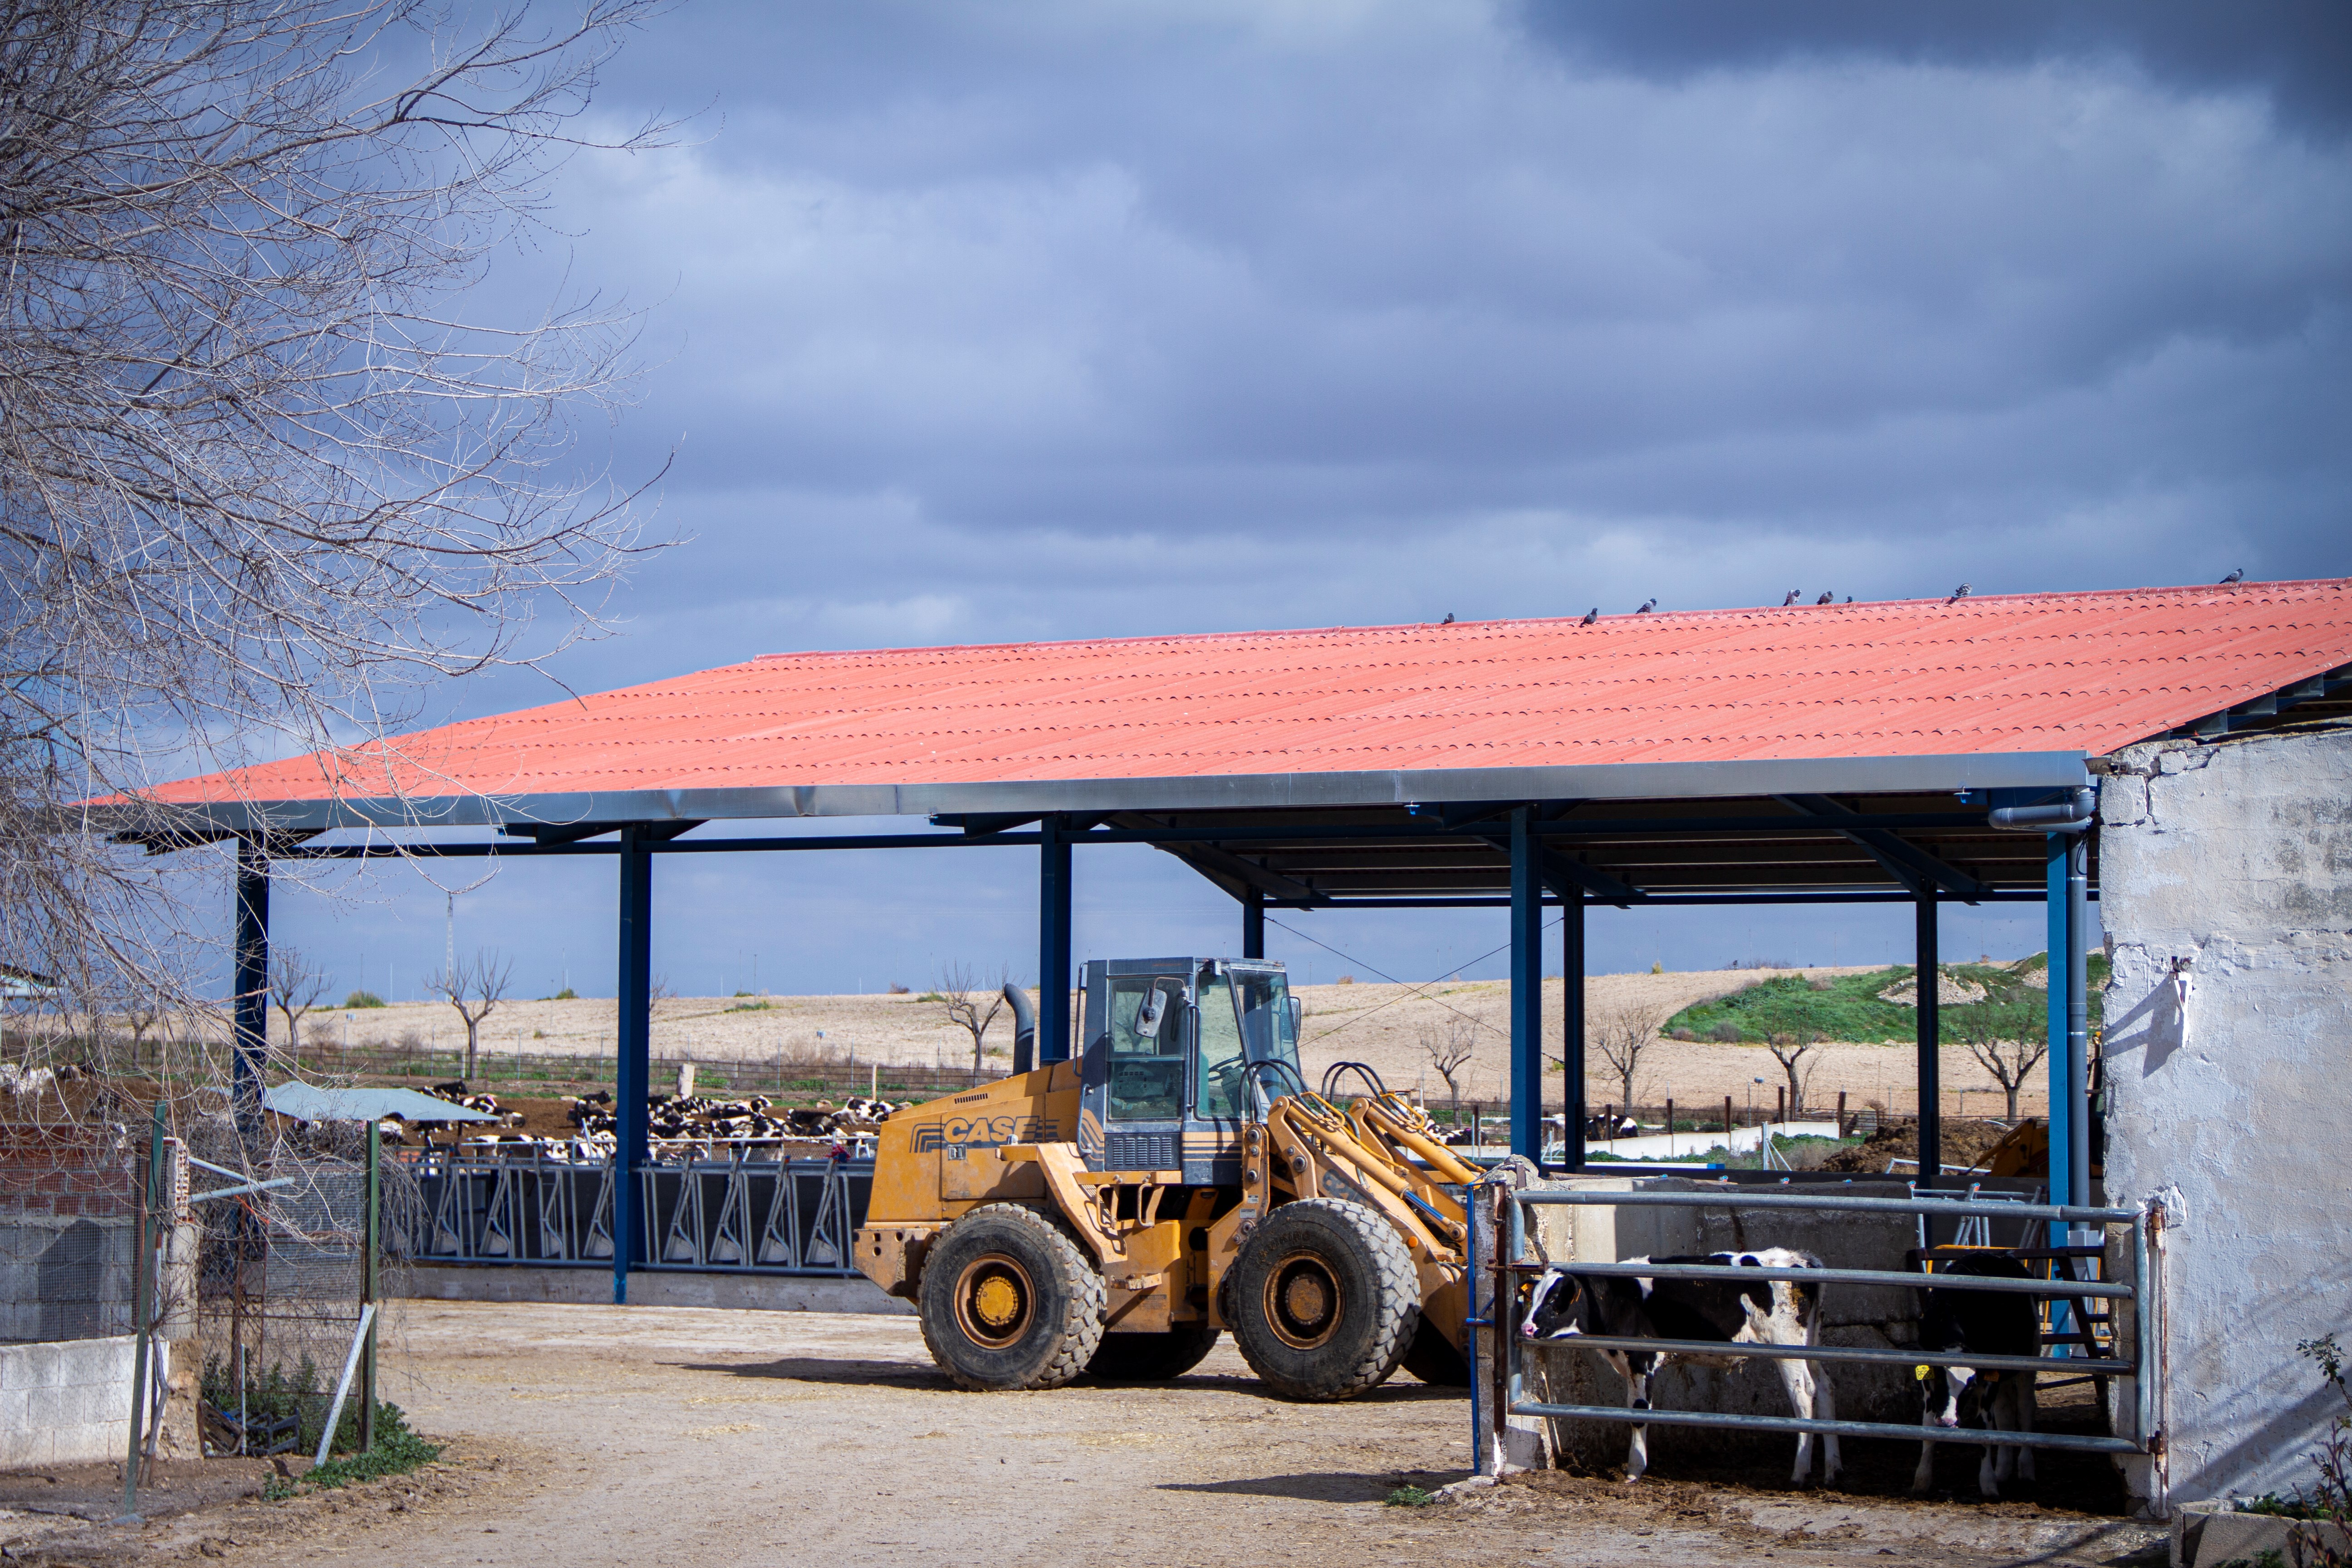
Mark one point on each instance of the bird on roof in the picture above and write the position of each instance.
(1648, 605)
(2239, 575)
(1830, 597)
(1794, 594)
(1591, 615)
(1448, 620)
(1849, 598)
(1958, 594)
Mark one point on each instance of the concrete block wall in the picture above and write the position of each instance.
(67, 1402)
(2233, 861)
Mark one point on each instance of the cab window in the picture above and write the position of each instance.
(1267, 1032)
(1220, 1092)
(1146, 1048)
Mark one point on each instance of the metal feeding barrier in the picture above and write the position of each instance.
(2142, 1291)
(740, 1215)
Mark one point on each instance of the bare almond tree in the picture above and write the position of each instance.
(296, 985)
(264, 476)
(2008, 1042)
(1791, 1051)
(1621, 1033)
(971, 1004)
(475, 988)
(1449, 1047)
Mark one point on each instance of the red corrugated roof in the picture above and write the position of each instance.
(2030, 672)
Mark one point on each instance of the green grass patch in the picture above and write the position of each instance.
(1849, 1007)
(1410, 1496)
(363, 999)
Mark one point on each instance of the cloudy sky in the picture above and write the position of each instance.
(1048, 321)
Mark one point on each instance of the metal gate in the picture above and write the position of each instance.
(734, 1215)
(2142, 1291)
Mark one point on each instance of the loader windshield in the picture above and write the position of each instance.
(1245, 1018)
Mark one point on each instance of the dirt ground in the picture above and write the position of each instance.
(597, 1436)
(1381, 1024)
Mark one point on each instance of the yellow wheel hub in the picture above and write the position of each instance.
(1305, 1297)
(997, 1302)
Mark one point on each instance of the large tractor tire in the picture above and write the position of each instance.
(1008, 1300)
(1325, 1300)
(1432, 1358)
(1149, 1358)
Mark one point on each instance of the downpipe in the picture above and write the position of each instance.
(2073, 816)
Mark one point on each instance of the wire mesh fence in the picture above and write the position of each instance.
(69, 1229)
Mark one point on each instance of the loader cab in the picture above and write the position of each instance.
(1164, 1081)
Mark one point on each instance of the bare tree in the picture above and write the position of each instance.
(1449, 1047)
(971, 1005)
(1790, 1050)
(296, 986)
(2008, 1042)
(1621, 1033)
(475, 988)
(261, 479)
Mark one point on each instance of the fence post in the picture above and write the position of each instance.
(143, 1299)
(1727, 1116)
(368, 1282)
(1841, 1117)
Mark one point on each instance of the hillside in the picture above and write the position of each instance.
(2007, 1001)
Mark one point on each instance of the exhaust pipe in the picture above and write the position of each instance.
(1025, 1029)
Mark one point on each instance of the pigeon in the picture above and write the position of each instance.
(1591, 615)
(1849, 598)
(1830, 598)
(2239, 575)
(1794, 594)
(1448, 620)
(1648, 605)
(1958, 594)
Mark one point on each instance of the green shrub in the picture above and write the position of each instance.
(363, 999)
(1410, 1496)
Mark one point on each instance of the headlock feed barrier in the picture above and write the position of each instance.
(744, 1216)
(2142, 1291)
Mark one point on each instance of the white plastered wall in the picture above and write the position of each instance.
(2233, 862)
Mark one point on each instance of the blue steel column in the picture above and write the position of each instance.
(1053, 943)
(2058, 940)
(633, 1038)
(1930, 1038)
(1571, 1020)
(1253, 923)
(1527, 988)
(251, 1007)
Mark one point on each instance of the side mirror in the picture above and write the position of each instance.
(1151, 1014)
(1298, 1018)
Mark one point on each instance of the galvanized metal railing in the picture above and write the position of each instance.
(729, 1216)
(2143, 1292)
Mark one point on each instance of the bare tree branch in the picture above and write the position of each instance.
(1449, 1047)
(473, 987)
(971, 1005)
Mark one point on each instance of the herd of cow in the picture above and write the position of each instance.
(1783, 1313)
(687, 1126)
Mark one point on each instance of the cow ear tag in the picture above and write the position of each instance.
(1920, 1373)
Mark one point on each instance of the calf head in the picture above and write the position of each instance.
(1563, 1304)
(1952, 1395)
(1556, 1307)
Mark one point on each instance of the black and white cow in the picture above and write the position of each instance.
(1980, 1322)
(1769, 1311)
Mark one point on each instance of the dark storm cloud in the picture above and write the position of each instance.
(2300, 51)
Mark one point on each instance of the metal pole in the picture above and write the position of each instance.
(1053, 943)
(2055, 855)
(250, 1008)
(1253, 923)
(1527, 988)
(2078, 1017)
(634, 1044)
(1571, 1023)
(1930, 1038)
(145, 1299)
(368, 1282)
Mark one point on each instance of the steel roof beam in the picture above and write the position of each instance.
(1905, 862)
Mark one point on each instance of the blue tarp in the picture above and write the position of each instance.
(308, 1102)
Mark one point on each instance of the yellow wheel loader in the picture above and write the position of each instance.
(1113, 1212)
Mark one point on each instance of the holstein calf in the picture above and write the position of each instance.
(1982, 1323)
(1769, 1311)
